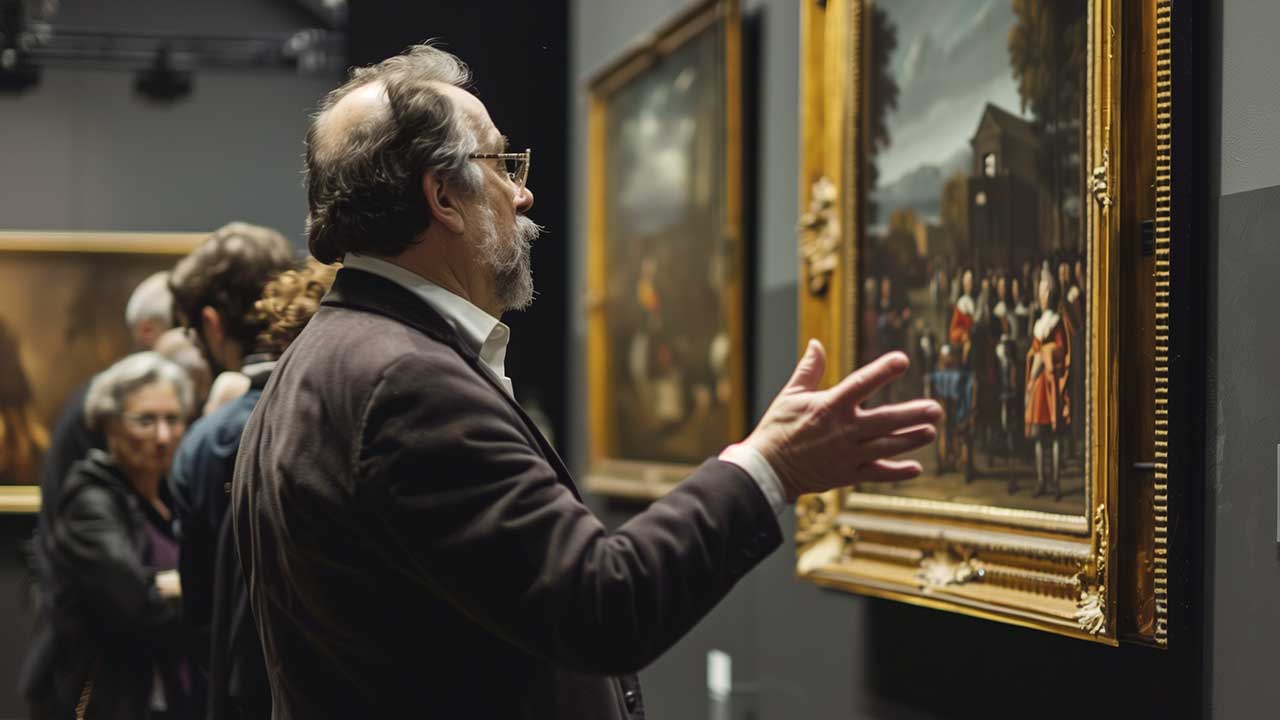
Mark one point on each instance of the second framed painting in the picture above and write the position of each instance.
(664, 261)
(963, 200)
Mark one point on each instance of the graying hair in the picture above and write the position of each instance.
(364, 189)
(110, 388)
(151, 300)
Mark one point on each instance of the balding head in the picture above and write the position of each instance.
(149, 311)
(374, 139)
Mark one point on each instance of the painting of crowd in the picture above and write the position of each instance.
(972, 245)
(1003, 350)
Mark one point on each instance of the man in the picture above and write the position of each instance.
(413, 547)
(147, 315)
(215, 288)
(238, 688)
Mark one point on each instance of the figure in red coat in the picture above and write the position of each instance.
(1048, 366)
(962, 318)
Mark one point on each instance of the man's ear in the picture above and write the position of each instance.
(442, 202)
(146, 332)
(211, 326)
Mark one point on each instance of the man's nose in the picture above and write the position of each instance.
(524, 200)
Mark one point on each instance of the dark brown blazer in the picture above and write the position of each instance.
(414, 548)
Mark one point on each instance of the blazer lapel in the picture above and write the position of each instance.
(372, 293)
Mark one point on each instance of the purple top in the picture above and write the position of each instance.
(164, 549)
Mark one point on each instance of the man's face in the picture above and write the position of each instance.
(502, 235)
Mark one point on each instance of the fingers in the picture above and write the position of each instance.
(809, 370)
(889, 471)
(888, 419)
(899, 442)
(859, 385)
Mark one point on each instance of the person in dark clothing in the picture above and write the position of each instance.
(148, 315)
(412, 544)
(110, 637)
(215, 288)
(201, 478)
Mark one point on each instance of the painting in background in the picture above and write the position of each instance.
(972, 240)
(668, 361)
(62, 302)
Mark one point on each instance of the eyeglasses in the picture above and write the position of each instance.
(149, 422)
(516, 165)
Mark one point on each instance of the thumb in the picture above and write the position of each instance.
(809, 370)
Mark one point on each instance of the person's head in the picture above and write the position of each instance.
(1080, 272)
(176, 345)
(886, 289)
(288, 302)
(215, 287)
(1064, 273)
(392, 173)
(946, 357)
(140, 405)
(1002, 287)
(149, 312)
(1015, 289)
(966, 282)
(1048, 292)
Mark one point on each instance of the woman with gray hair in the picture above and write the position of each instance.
(113, 646)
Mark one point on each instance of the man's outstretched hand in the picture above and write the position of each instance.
(817, 440)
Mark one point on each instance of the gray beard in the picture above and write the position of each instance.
(509, 257)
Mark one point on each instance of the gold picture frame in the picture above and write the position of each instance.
(62, 300)
(665, 349)
(1051, 570)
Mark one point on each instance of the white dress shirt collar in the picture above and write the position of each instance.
(487, 335)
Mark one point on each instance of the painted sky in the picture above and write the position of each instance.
(952, 58)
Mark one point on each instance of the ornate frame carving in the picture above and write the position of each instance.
(1046, 571)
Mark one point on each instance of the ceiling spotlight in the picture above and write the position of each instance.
(163, 81)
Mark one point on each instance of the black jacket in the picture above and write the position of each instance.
(103, 617)
(415, 548)
(215, 600)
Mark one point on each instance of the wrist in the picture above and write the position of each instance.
(761, 471)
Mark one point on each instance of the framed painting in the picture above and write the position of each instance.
(664, 259)
(62, 307)
(964, 198)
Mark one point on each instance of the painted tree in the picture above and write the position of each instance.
(1047, 47)
(954, 209)
(881, 97)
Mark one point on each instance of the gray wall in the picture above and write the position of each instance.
(81, 152)
(1244, 355)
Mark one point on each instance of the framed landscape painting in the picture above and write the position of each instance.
(963, 202)
(664, 308)
(62, 303)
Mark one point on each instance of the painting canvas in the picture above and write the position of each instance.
(666, 345)
(965, 198)
(972, 240)
(62, 303)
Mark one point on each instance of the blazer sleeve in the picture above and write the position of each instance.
(95, 549)
(481, 519)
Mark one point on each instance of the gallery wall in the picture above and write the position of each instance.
(799, 651)
(1244, 359)
(80, 151)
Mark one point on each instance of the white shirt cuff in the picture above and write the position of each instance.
(754, 465)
